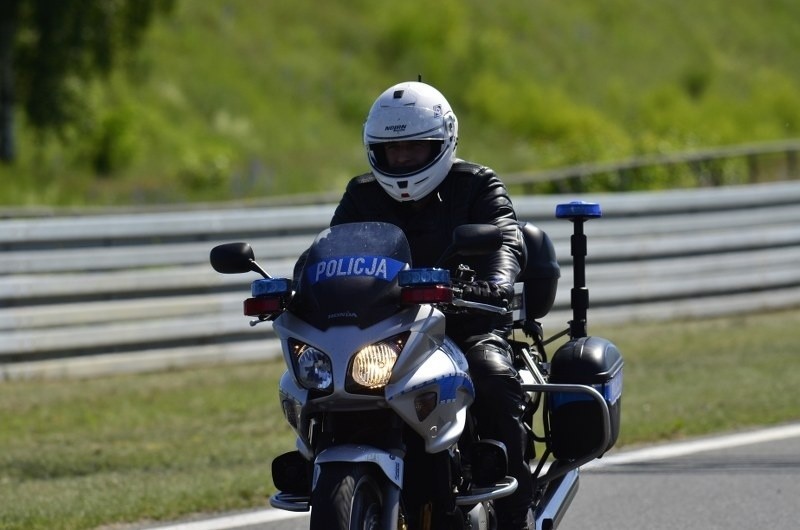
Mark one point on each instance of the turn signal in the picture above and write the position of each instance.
(424, 404)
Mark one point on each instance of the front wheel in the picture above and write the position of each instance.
(347, 497)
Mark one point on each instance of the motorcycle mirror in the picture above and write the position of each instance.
(472, 240)
(234, 258)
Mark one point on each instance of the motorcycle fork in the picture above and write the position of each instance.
(427, 487)
(427, 516)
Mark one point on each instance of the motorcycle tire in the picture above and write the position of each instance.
(347, 497)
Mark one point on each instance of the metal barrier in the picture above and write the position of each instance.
(737, 164)
(132, 292)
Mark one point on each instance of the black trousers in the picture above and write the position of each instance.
(498, 409)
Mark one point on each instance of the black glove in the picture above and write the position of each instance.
(488, 293)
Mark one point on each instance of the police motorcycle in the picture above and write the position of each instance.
(379, 396)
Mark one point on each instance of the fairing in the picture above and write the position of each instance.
(350, 275)
(350, 299)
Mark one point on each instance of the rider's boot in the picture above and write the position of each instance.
(498, 407)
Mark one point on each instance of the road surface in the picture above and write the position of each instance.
(744, 480)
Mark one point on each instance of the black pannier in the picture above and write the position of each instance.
(576, 422)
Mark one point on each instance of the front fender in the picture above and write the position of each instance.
(389, 464)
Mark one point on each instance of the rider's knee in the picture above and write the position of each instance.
(488, 359)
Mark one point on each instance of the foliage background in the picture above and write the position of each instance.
(243, 99)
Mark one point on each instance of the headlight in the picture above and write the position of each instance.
(371, 367)
(312, 367)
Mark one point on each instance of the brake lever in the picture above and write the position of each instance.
(458, 302)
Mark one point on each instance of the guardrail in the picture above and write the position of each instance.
(732, 165)
(135, 291)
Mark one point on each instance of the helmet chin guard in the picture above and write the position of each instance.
(411, 111)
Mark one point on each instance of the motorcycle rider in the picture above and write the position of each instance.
(417, 183)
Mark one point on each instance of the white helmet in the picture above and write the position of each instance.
(411, 111)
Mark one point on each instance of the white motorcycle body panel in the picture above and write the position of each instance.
(429, 363)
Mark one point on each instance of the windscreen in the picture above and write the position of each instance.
(350, 275)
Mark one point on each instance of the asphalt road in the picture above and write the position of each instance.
(743, 481)
(750, 486)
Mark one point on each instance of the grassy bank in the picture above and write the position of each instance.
(236, 99)
(80, 454)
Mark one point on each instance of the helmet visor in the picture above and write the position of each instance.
(405, 158)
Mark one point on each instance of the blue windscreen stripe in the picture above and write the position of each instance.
(379, 267)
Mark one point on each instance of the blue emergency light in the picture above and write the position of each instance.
(419, 277)
(578, 210)
(270, 287)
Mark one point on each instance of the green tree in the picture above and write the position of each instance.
(45, 45)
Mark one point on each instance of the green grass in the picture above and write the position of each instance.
(693, 378)
(243, 99)
(77, 454)
(81, 454)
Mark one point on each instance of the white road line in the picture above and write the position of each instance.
(670, 450)
(675, 449)
(231, 522)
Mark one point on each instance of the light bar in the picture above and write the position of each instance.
(418, 277)
(578, 210)
(270, 287)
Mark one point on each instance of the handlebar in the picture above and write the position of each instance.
(455, 303)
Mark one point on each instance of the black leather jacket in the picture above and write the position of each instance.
(469, 194)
